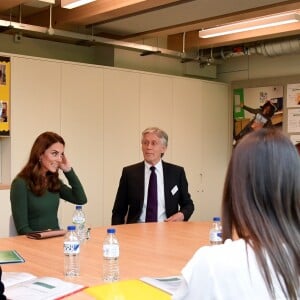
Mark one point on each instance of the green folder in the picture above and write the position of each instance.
(10, 257)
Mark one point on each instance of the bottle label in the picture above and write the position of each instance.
(215, 236)
(71, 248)
(111, 251)
(78, 220)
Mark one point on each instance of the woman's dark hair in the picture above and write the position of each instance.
(261, 204)
(32, 172)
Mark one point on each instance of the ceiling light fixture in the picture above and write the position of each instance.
(74, 3)
(243, 26)
(39, 3)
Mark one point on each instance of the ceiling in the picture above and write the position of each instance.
(127, 23)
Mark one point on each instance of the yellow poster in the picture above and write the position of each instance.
(4, 95)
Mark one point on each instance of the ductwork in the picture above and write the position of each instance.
(276, 48)
(270, 49)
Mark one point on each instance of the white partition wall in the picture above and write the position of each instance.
(35, 104)
(216, 117)
(121, 130)
(101, 112)
(187, 141)
(156, 102)
(5, 213)
(82, 129)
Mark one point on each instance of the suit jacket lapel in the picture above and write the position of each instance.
(141, 182)
(167, 175)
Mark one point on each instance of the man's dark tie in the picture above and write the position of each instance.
(151, 212)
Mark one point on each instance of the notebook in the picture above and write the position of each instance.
(10, 257)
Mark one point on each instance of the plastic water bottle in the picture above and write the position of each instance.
(111, 253)
(78, 220)
(215, 233)
(71, 253)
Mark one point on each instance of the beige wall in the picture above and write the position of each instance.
(5, 213)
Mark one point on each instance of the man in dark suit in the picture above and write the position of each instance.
(174, 202)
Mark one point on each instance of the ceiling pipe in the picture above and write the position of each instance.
(20, 13)
(270, 49)
(92, 39)
(276, 48)
(50, 29)
(187, 56)
(183, 42)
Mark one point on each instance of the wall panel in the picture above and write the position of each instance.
(156, 104)
(216, 149)
(82, 129)
(121, 130)
(187, 134)
(35, 105)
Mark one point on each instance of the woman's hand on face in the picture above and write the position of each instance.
(65, 165)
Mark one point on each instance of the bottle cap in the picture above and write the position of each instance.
(71, 227)
(78, 206)
(111, 230)
(216, 219)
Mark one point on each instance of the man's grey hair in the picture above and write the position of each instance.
(162, 135)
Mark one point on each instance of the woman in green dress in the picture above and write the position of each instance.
(37, 189)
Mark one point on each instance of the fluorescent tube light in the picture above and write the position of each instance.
(74, 3)
(249, 25)
(39, 3)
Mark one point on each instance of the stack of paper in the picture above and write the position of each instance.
(25, 286)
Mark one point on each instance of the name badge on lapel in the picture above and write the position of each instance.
(174, 190)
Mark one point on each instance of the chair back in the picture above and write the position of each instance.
(12, 228)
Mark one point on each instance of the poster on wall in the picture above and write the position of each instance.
(293, 95)
(295, 138)
(293, 120)
(4, 96)
(255, 108)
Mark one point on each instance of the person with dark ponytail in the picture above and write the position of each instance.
(261, 227)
